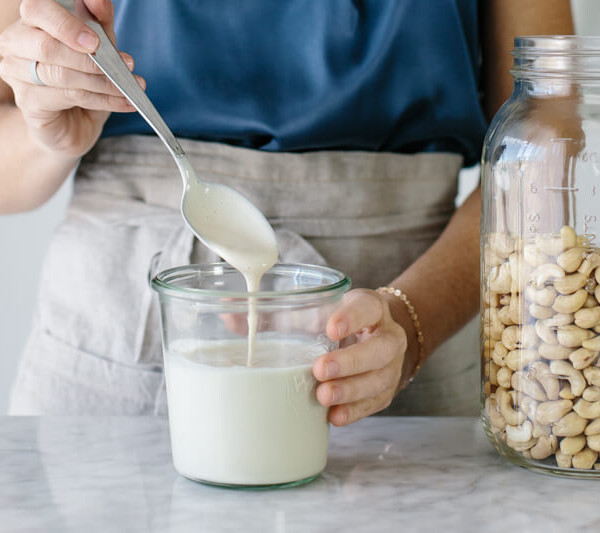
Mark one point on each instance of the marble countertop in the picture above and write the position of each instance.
(104, 474)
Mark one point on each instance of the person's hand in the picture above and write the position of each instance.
(362, 378)
(67, 113)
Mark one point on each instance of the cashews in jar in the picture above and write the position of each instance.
(542, 335)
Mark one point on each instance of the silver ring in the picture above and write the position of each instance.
(34, 75)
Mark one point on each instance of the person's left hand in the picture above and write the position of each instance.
(362, 378)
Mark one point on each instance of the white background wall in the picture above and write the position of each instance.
(24, 238)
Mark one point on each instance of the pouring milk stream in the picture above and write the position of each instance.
(232, 227)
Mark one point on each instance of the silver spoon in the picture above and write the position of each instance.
(222, 218)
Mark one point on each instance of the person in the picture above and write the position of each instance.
(346, 123)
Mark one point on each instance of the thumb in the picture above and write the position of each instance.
(104, 11)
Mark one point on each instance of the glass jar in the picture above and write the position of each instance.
(238, 418)
(540, 275)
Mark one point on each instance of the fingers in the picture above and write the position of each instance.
(372, 354)
(360, 387)
(61, 77)
(34, 44)
(55, 20)
(61, 99)
(342, 415)
(361, 309)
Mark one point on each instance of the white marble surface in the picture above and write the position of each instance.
(89, 474)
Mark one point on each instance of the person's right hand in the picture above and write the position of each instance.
(67, 114)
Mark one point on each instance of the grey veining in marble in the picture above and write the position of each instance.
(108, 474)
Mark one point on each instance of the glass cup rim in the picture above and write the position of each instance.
(162, 283)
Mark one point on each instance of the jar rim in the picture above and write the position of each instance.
(164, 282)
(557, 44)
(571, 58)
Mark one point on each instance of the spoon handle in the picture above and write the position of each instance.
(110, 62)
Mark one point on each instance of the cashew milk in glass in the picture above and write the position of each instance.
(233, 424)
(244, 411)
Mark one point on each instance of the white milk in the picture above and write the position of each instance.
(232, 424)
(231, 226)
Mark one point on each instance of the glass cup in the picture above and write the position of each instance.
(238, 418)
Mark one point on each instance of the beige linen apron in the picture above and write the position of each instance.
(95, 347)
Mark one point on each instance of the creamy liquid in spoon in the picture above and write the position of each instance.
(231, 226)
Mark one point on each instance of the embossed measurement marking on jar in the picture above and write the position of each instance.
(558, 188)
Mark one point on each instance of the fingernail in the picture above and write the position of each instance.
(336, 395)
(331, 369)
(342, 328)
(88, 40)
(141, 82)
(129, 62)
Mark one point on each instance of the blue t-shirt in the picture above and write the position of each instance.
(298, 75)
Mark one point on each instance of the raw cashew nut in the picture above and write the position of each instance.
(554, 351)
(590, 262)
(540, 371)
(563, 460)
(492, 324)
(515, 309)
(560, 319)
(504, 376)
(582, 358)
(544, 332)
(545, 447)
(585, 459)
(543, 274)
(591, 394)
(585, 409)
(593, 442)
(510, 337)
(565, 370)
(504, 315)
(569, 303)
(505, 401)
(499, 354)
(544, 297)
(501, 244)
(522, 447)
(590, 301)
(571, 260)
(572, 336)
(535, 257)
(528, 405)
(568, 237)
(517, 273)
(593, 428)
(491, 259)
(521, 382)
(569, 425)
(556, 245)
(572, 445)
(520, 358)
(496, 419)
(571, 283)
(527, 336)
(565, 391)
(520, 434)
(548, 413)
(540, 312)
(500, 278)
(588, 318)
(592, 344)
(592, 375)
(539, 430)
(490, 299)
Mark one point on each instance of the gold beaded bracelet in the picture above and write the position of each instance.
(417, 325)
